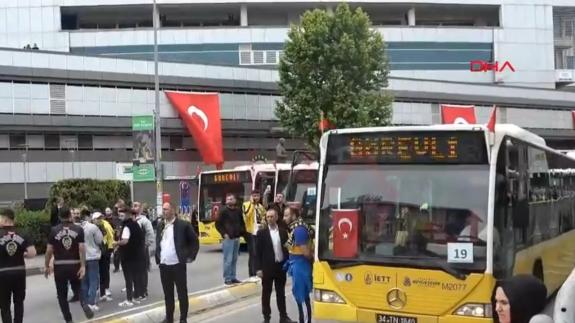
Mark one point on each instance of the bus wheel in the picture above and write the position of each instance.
(538, 270)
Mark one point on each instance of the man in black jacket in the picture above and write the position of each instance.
(176, 242)
(271, 255)
(230, 224)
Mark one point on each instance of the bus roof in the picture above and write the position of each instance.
(500, 130)
(251, 167)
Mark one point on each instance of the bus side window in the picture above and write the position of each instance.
(516, 179)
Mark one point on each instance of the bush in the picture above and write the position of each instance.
(35, 225)
(95, 194)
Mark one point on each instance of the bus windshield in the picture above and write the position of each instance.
(215, 186)
(419, 197)
(409, 212)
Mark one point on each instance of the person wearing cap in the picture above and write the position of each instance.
(254, 215)
(92, 239)
(107, 249)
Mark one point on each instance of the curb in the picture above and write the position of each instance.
(200, 302)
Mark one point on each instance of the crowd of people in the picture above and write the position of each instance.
(80, 248)
(279, 243)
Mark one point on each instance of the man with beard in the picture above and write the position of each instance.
(230, 225)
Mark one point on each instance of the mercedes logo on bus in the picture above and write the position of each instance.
(396, 298)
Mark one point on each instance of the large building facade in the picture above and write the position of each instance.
(66, 108)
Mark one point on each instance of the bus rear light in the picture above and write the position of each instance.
(475, 310)
(326, 296)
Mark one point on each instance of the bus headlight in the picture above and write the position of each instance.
(475, 310)
(326, 296)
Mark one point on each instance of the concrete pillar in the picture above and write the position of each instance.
(244, 15)
(411, 17)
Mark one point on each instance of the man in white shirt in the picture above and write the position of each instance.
(270, 258)
(176, 242)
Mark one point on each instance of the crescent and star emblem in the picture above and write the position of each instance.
(192, 109)
(346, 221)
(460, 120)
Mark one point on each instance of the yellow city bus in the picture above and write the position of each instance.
(416, 224)
(214, 185)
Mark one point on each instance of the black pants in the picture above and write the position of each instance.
(274, 276)
(12, 287)
(144, 274)
(170, 276)
(130, 268)
(64, 275)
(117, 260)
(105, 272)
(251, 241)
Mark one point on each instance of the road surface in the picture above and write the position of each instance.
(205, 273)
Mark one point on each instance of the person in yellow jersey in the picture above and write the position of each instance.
(299, 266)
(254, 215)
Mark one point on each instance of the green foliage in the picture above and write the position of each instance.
(336, 64)
(35, 225)
(95, 194)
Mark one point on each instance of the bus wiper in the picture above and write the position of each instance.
(338, 264)
(450, 270)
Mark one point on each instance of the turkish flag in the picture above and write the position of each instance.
(458, 114)
(492, 120)
(573, 116)
(201, 115)
(345, 233)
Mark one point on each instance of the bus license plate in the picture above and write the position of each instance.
(384, 318)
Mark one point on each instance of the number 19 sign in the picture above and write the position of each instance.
(461, 252)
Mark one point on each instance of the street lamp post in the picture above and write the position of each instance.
(157, 118)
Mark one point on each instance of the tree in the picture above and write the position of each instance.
(333, 65)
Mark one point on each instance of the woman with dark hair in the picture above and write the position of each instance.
(519, 299)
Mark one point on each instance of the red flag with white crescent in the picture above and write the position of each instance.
(492, 119)
(201, 115)
(345, 233)
(458, 114)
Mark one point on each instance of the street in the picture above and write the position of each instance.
(42, 306)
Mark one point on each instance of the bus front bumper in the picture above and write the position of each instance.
(350, 313)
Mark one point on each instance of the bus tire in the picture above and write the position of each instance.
(538, 270)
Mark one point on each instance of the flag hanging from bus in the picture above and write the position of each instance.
(201, 115)
(458, 114)
(345, 233)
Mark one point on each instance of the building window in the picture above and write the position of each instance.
(176, 142)
(85, 142)
(17, 141)
(52, 142)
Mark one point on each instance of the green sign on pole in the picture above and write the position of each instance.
(144, 173)
(143, 160)
(142, 123)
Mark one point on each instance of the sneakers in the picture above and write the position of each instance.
(253, 279)
(136, 301)
(108, 292)
(88, 311)
(94, 308)
(124, 290)
(142, 298)
(235, 281)
(106, 298)
(126, 303)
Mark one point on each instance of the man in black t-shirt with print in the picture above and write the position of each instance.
(13, 248)
(66, 244)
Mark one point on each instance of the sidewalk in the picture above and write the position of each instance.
(35, 266)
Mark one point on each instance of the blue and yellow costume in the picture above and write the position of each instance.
(299, 266)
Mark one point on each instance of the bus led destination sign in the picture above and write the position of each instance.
(408, 147)
(223, 178)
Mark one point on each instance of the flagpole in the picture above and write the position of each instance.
(157, 116)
